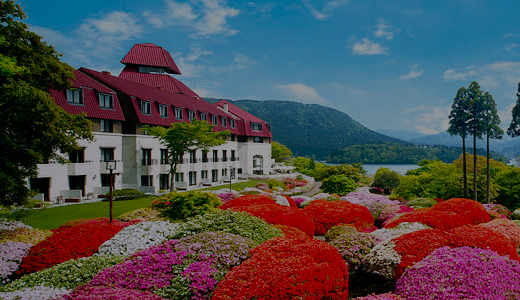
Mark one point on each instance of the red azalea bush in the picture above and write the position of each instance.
(290, 231)
(247, 200)
(291, 202)
(72, 242)
(484, 238)
(437, 219)
(472, 211)
(415, 246)
(506, 227)
(279, 214)
(327, 214)
(287, 268)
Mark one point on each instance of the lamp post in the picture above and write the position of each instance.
(231, 173)
(111, 166)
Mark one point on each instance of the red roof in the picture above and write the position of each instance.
(91, 89)
(138, 92)
(150, 55)
(246, 118)
(166, 82)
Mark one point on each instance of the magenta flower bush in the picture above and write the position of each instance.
(109, 293)
(461, 273)
(11, 255)
(390, 211)
(226, 197)
(363, 198)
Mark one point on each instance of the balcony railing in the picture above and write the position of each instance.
(149, 162)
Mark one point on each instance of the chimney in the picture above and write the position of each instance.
(226, 110)
(105, 72)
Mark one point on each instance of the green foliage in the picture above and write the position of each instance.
(14, 213)
(271, 183)
(179, 206)
(338, 184)
(421, 203)
(141, 214)
(508, 181)
(307, 166)
(33, 127)
(125, 194)
(386, 179)
(182, 137)
(514, 127)
(345, 169)
(338, 230)
(280, 152)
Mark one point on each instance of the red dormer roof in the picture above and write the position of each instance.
(91, 89)
(246, 118)
(150, 55)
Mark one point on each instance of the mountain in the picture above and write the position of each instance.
(404, 135)
(311, 129)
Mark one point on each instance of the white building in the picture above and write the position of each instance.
(146, 93)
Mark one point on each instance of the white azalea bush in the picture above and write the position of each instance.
(137, 237)
(382, 259)
(35, 293)
(385, 234)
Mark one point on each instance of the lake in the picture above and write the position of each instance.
(372, 168)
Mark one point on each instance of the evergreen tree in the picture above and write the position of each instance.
(459, 126)
(493, 131)
(514, 128)
(279, 152)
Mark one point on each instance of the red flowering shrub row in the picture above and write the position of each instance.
(290, 231)
(247, 200)
(437, 219)
(291, 202)
(70, 242)
(414, 246)
(287, 268)
(472, 211)
(279, 214)
(327, 214)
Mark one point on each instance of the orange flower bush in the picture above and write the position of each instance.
(472, 211)
(327, 214)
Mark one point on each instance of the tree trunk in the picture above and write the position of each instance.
(173, 170)
(488, 172)
(464, 168)
(475, 167)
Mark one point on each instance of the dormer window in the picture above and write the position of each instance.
(75, 96)
(106, 101)
(214, 120)
(178, 113)
(232, 123)
(223, 121)
(163, 110)
(256, 126)
(191, 115)
(145, 107)
(152, 70)
(203, 116)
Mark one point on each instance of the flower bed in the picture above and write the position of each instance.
(278, 214)
(109, 293)
(461, 273)
(69, 243)
(437, 219)
(11, 255)
(506, 227)
(338, 230)
(287, 268)
(385, 234)
(289, 231)
(353, 246)
(327, 214)
(472, 211)
(35, 293)
(386, 296)
(421, 203)
(142, 214)
(248, 200)
(390, 211)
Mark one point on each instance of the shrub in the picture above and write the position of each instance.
(311, 270)
(421, 203)
(461, 273)
(386, 179)
(385, 234)
(278, 214)
(26, 235)
(499, 208)
(353, 246)
(298, 201)
(272, 183)
(36, 293)
(472, 211)
(11, 255)
(125, 194)
(386, 296)
(338, 184)
(238, 223)
(179, 206)
(109, 293)
(327, 214)
(437, 219)
(289, 231)
(505, 227)
(226, 197)
(338, 230)
(247, 200)
(390, 211)
(141, 214)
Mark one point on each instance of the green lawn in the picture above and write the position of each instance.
(50, 218)
(235, 186)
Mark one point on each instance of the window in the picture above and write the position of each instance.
(214, 175)
(145, 107)
(163, 110)
(193, 156)
(179, 177)
(164, 156)
(147, 157)
(107, 154)
(256, 126)
(204, 156)
(239, 171)
(106, 100)
(223, 121)
(232, 123)
(75, 96)
(232, 137)
(164, 181)
(215, 155)
(224, 155)
(178, 113)
(152, 70)
(258, 139)
(146, 180)
(204, 174)
(203, 116)
(214, 120)
(233, 158)
(105, 179)
(77, 156)
(192, 178)
(191, 115)
(107, 125)
(224, 172)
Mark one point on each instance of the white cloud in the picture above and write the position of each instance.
(511, 35)
(429, 119)
(414, 73)
(153, 19)
(368, 47)
(326, 11)
(491, 75)
(384, 30)
(506, 115)
(196, 63)
(303, 93)
(511, 47)
(454, 74)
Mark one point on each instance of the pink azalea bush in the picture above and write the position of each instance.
(461, 273)
(109, 293)
(386, 296)
(11, 255)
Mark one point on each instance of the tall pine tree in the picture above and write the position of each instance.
(459, 126)
(492, 131)
(514, 127)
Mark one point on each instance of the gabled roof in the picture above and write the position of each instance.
(247, 118)
(166, 82)
(150, 55)
(91, 89)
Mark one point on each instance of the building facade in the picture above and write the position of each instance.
(147, 93)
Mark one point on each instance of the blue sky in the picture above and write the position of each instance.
(388, 64)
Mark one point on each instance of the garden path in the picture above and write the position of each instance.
(314, 190)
